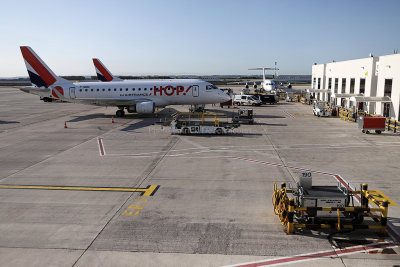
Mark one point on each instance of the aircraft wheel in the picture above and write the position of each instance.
(378, 131)
(218, 131)
(120, 113)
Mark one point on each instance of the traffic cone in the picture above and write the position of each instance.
(112, 119)
(65, 124)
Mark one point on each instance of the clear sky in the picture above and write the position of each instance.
(194, 37)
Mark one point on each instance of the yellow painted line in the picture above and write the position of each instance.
(148, 191)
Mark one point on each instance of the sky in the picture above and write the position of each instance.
(205, 37)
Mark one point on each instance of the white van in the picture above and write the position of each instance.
(246, 100)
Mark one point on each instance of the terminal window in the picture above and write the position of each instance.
(313, 84)
(388, 87)
(336, 85)
(329, 83)
(343, 85)
(319, 83)
(362, 86)
(352, 83)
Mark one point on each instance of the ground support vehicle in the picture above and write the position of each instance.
(320, 109)
(267, 98)
(324, 207)
(289, 97)
(367, 124)
(244, 115)
(243, 99)
(202, 123)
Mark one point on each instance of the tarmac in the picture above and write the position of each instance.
(129, 193)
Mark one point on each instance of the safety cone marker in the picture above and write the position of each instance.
(112, 119)
(65, 124)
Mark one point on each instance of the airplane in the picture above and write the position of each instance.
(140, 96)
(268, 85)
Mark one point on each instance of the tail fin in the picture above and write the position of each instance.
(103, 74)
(39, 73)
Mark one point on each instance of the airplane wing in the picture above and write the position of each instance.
(290, 81)
(246, 82)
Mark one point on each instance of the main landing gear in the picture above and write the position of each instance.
(120, 113)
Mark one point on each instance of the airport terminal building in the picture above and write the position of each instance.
(369, 84)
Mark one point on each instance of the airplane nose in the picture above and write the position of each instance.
(225, 97)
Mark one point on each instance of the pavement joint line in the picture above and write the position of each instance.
(335, 253)
(148, 191)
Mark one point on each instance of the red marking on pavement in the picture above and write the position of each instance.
(318, 255)
(125, 123)
(101, 148)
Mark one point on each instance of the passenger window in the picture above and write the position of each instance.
(120, 89)
(109, 89)
(139, 89)
(85, 90)
(243, 97)
(91, 90)
(104, 89)
(80, 90)
(126, 89)
(133, 89)
(98, 90)
(145, 89)
(115, 89)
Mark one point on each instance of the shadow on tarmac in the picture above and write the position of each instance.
(9, 122)
(271, 124)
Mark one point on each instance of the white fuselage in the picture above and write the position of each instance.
(268, 85)
(130, 92)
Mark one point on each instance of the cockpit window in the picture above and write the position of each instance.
(211, 87)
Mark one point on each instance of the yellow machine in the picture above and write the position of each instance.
(319, 207)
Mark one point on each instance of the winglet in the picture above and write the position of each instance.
(103, 74)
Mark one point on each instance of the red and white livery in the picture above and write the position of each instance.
(103, 74)
(141, 96)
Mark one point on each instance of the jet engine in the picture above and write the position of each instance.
(247, 86)
(255, 86)
(289, 85)
(145, 107)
